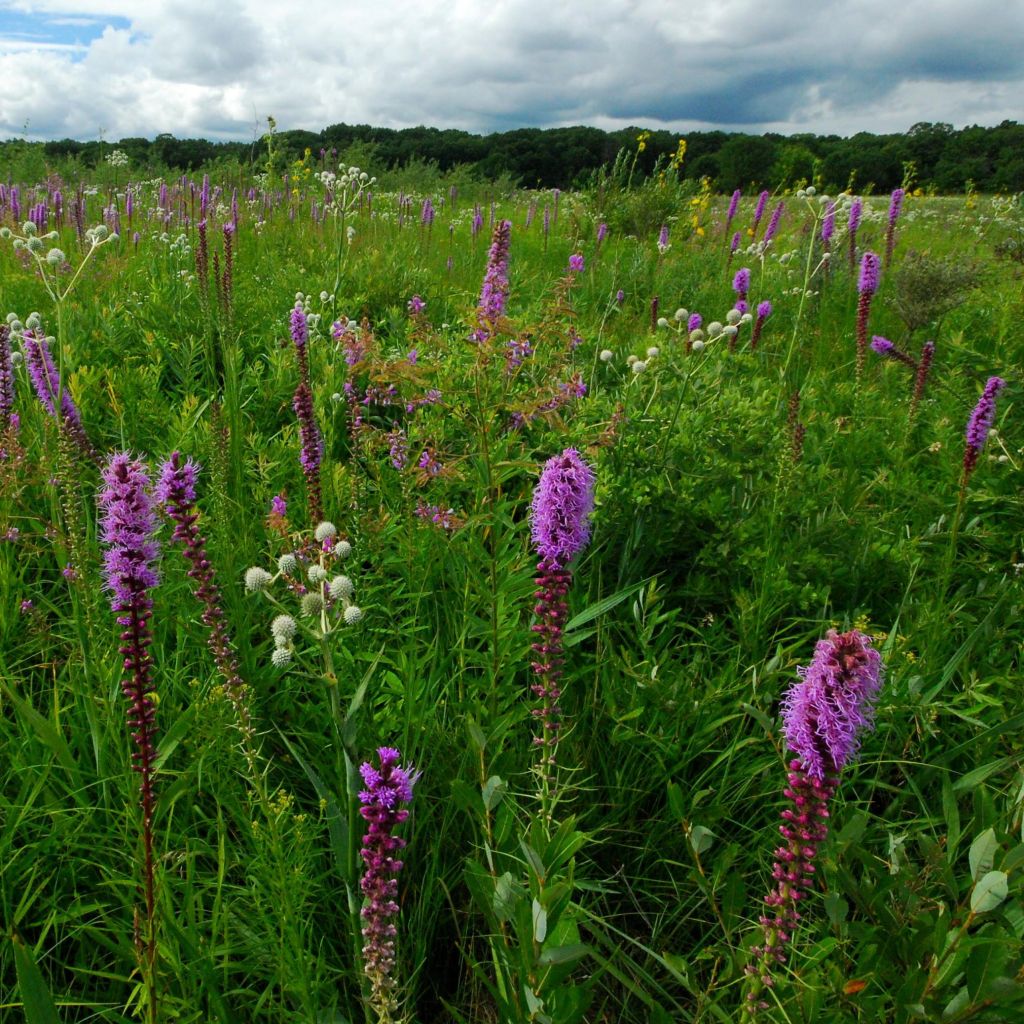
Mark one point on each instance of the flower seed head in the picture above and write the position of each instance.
(317, 573)
(312, 603)
(256, 579)
(281, 657)
(287, 564)
(352, 615)
(324, 531)
(283, 629)
(342, 549)
(341, 587)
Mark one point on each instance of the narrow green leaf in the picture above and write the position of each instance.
(35, 995)
(540, 923)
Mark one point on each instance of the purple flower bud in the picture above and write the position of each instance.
(741, 282)
(883, 346)
(576, 263)
(764, 310)
(983, 416)
(896, 204)
(854, 221)
(734, 205)
(299, 328)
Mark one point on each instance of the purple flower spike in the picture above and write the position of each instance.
(896, 204)
(883, 346)
(576, 262)
(494, 292)
(734, 205)
(388, 790)
(6, 379)
(764, 310)
(127, 527)
(741, 282)
(824, 713)
(299, 328)
(867, 284)
(562, 503)
(980, 422)
(773, 223)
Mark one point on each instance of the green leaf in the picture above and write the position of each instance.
(563, 954)
(540, 923)
(493, 791)
(604, 605)
(506, 895)
(990, 891)
(983, 853)
(958, 1003)
(35, 996)
(701, 839)
(977, 776)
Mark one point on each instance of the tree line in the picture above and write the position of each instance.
(935, 155)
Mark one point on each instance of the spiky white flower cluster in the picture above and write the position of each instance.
(324, 595)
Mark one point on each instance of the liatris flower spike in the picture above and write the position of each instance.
(867, 285)
(384, 806)
(127, 526)
(823, 713)
(560, 521)
(980, 423)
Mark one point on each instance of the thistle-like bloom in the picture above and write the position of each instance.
(127, 525)
(562, 503)
(824, 713)
(494, 292)
(384, 806)
(980, 423)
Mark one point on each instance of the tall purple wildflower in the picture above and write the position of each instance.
(176, 491)
(895, 206)
(741, 283)
(312, 453)
(494, 292)
(762, 202)
(384, 806)
(828, 225)
(824, 713)
(734, 205)
(867, 285)
(127, 526)
(6, 380)
(887, 350)
(852, 224)
(47, 383)
(764, 310)
(924, 365)
(663, 239)
(980, 422)
(773, 222)
(560, 527)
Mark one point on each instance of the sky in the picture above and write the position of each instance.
(215, 69)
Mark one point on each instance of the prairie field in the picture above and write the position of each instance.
(420, 599)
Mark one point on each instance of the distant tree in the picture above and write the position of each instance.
(745, 160)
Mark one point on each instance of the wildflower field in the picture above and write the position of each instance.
(440, 602)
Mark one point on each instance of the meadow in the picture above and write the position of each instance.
(403, 586)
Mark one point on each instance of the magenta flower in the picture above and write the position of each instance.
(384, 806)
(735, 243)
(576, 262)
(741, 282)
(773, 222)
(562, 504)
(762, 202)
(833, 701)
(6, 379)
(824, 713)
(828, 225)
(980, 423)
(734, 205)
(299, 327)
(127, 525)
(416, 305)
(494, 292)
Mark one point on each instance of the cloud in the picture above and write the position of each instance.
(197, 68)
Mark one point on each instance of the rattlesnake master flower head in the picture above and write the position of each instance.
(833, 701)
(562, 503)
(128, 523)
